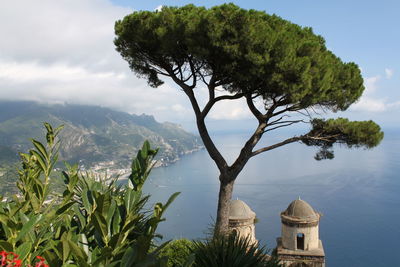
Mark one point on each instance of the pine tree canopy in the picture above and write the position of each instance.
(249, 54)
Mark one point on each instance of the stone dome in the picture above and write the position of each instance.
(300, 210)
(240, 211)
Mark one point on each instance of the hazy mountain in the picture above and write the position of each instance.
(92, 135)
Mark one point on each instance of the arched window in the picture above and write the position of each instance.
(300, 241)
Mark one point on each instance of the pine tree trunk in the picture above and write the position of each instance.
(225, 195)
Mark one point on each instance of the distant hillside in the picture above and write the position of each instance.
(92, 135)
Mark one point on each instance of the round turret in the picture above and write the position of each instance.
(300, 226)
(239, 210)
(300, 212)
(299, 244)
(241, 220)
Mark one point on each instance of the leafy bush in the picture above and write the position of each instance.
(93, 223)
(230, 251)
(177, 252)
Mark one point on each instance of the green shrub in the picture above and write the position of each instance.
(177, 252)
(230, 251)
(93, 223)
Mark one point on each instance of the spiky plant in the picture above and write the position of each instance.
(231, 251)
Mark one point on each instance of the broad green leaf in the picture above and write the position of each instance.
(116, 222)
(82, 220)
(171, 199)
(4, 245)
(38, 189)
(65, 248)
(105, 253)
(78, 253)
(128, 258)
(40, 160)
(64, 208)
(110, 214)
(52, 258)
(42, 150)
(85, 201)
(58, 129)
(129, 199)
(23, 250)
(100, 224)
(29, 226)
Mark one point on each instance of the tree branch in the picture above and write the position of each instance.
(285, 142)
(205, 136)
(283, 124)
(292, 140)
(259, 116)
(212, 99)
(278, 120)
(193, 71)
(246, 152)
(289, 108)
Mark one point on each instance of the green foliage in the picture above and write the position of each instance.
(141, 166)
(242, 50)
(177, 252)
(94, 223)
(325, 133)
(230, 251)
(37, 166)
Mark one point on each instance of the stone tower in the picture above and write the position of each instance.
(241, 220)
(299, 245)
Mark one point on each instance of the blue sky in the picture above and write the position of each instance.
(66, 54)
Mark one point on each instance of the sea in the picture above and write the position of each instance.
(357, 193)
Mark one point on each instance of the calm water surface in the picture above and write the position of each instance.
(357, 193)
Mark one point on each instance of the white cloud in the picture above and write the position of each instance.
(370, 105)
(67, 55)
(388, 73)
(22, 72)
(159, 8)
(370, 100)
(179, 108)
(230, 110)
(69, 31)
(62, 51)
(370, 84)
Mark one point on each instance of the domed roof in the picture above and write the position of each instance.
(300, 210)
(240, 211)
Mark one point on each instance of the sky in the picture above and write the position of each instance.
(62, 52)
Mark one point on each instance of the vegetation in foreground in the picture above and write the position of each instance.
(95, 222)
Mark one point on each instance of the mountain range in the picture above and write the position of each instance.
(92, 135)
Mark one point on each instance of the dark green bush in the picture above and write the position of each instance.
(177, 252)
(230, 251)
